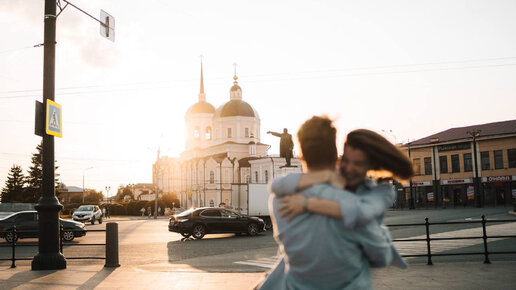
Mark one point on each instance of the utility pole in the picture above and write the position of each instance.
(49, 257)
(478, 197)
(156, 189)
(411, 196)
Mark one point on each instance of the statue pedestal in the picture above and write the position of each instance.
(284, 170)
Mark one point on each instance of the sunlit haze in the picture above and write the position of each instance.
(410, 68)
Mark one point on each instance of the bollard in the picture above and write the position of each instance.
(112, 245)
(13, 251)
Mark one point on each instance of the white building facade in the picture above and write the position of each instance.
(222, 148)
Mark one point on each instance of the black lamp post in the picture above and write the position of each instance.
(49, 257)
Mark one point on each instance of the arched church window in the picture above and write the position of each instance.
(196, 132)
(256, 176)
(266, 176)
(212, 177)
(207, 134)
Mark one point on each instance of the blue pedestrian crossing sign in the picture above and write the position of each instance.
(54, 123)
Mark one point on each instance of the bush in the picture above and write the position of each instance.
(117, 209)
(134, 207)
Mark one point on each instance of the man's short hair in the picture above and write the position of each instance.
(317, 140)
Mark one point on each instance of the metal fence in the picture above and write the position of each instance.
(16, 233)
(429, 239)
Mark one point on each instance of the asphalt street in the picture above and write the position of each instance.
(147, 245)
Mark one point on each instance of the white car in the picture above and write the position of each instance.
(88, 213)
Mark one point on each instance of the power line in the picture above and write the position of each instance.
(249, 78)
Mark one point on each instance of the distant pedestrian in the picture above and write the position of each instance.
(107, 212)
(142, 210)
(104, 212)
(149, 211)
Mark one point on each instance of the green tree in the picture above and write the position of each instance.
(34, 180)
(169, 200)
(93, 196)
(123, 191)
(13, 190)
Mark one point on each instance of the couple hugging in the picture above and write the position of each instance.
(328, 223)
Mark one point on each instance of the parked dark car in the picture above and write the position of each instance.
(211, 220)
(26, 223)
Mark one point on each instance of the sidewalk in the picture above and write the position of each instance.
(456, 276)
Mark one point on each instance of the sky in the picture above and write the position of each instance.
(406, 69)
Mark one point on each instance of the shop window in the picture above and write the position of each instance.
(212, 203)
(455, 165)
(428, 166)
(498, 159)
(229, 133)
(484, 159)
(266, 176)
(511, 153)
(468, 164)
(207, 134)
(416, 164)
(443, 164)
(246, 132)
(212, 177)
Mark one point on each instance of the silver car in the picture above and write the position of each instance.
(88, 213)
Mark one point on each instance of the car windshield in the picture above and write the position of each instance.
(185, 213)
(85, 208)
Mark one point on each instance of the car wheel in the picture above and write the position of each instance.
(11, 237)
(186, 235)
(92, 220)
(199, 231)
(100, 221)
(68, 236)
(268, 224)
(252, 229)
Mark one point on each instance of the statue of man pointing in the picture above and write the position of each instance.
(286, 144)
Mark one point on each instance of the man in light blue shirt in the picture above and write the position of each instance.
(320, 252)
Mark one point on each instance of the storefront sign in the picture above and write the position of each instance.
(456, 181)
(503, 178)
(470, 192)
(430, 196)
(421, 183)
(453, 147)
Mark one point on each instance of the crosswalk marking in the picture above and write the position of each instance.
(263, 262)
(420, 247)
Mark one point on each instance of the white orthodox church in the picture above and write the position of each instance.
(222, 148)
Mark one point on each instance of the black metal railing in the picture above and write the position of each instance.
(428, 239)
(16, 234)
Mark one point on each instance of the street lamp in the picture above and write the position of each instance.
(390, 133)
(475, 134)
(83, 172)
(108, 188)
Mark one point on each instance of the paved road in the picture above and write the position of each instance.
(146, 244)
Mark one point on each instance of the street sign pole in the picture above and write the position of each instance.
(49, 257)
